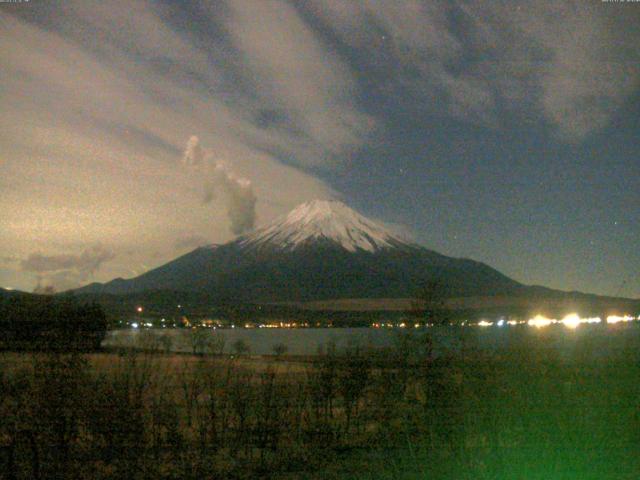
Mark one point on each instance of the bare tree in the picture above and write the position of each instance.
(241, 347)
(279, 349)
(430, 304)
(199, 337)
(167, 342)
(216, 344)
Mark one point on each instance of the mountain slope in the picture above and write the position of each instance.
(320, 250)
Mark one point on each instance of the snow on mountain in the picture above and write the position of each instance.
(321, 250)
(288, 261)
(323, 220)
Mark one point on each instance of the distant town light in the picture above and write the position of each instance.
(139, 309)
(617, 319)
(592, 320)
(540, 321)
(134, 325)
(572, 320)
(484, 323)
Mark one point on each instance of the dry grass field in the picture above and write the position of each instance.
(523, 412)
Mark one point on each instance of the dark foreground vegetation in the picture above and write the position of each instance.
(520, 413)
(45, 322)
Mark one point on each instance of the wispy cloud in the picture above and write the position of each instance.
(96, 106)
(571, 63)
(307, 91)
(98, 98)
(66, 270)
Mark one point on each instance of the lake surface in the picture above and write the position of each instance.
(598, 340)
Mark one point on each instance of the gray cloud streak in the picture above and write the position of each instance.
(97, 101)
(572, 63)
(87, 262)
(64, 271)
(99, 97)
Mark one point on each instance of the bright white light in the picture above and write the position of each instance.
(592, 320)
(572, 320)
(539, 321)
(484, 323)
(500, 322)
(512, 322)
(617, 319)
(134, 325)
(139, 309)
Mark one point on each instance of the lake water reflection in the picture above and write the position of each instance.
(600, 340)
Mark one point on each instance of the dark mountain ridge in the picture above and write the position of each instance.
(328, 251)
(322, 251)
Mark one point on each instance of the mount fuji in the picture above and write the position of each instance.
(321, 250)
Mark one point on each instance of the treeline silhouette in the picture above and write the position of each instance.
(45, 322)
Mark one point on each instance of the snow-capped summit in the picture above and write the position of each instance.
(321, 250)
(323, 220)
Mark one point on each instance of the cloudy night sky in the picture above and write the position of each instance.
(506, 132)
